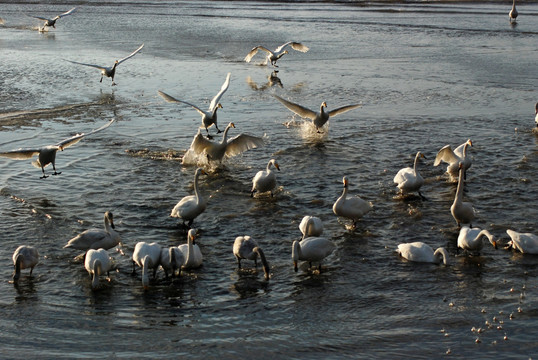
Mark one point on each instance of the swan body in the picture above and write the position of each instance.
(265, 180)
(209, 117)
(454, 158)
(274, 56)
(147, 256)
(247, 248)
(311, 226)
(421, 252)
(408, 179)
(318, 118)
(24, 257)
(52, 22)
(513, 13)
(191, 252)
(93, 238)
(110, 71)
(216, 151)
(191, 206)
(351, 206)
(471, 239)
(536, 114)
(96, 263)
(172, 259)
(463, 212)
(311, 249)
(47, 154)
(525, 242)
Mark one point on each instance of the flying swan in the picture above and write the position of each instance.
(351, 206)
(421, 252)
(94, 238)
(454, 158)
(52, 22)
(191, 206)
(24, 257)
(408, 179)
(273, 56)
(247, 248)
(265, 180)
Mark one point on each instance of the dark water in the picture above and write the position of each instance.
(427, 75)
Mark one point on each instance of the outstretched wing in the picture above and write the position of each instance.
(298, 109)
(294, 45)
(20, 154)
(241, 143)
(75, 139)
(223, 89)
(67, 13)
(92, 65)
(169, 98)
(131, 55)
(39, 17)
(343, 109)
(445, 154)
(200, 143)
(253, 52)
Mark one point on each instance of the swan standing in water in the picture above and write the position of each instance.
(318, 118)
(52, 22)
(471, 239)
(147, 256)
(274, 56)
(463, 212)
(454, 158)
(311, 226)
(247, 248)
(24, 257)
(109, 71)
(97, 263)
(96, 238)
(421, 252)
(311, 249)
(191, 252)
(513, 13)
(265, 180)
(209, 117)
(536, 114)
(47, 154)
(527, 243)
(191, 206)
(172, 259)
(408, 179)
(352, 206)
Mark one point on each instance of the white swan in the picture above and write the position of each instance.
(171, 260)
(421, 252)
(97, 263)
(216, 151)
(147, 256)
(265, 180)
(311, 226)
(463, 212)
(352, 206)
(24, 257)
(191, 252)
(318, 118)
(109, 71)
(247, 248)
(273, 56)
(536, 114)
(96, 238)
(191, 206)
(311, 249)
(454, 158)
(52, 22)
(512, 15)
(471, 239)
(525, 242)
(209, 117)
(408, 179)
(47, 154)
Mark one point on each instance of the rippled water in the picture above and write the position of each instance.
(427, 75)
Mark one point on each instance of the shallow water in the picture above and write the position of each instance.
(427, 75)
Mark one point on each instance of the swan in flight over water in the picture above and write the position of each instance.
(247, 248)
(209, 117)
(94, 238)
(52, 22)
(109, 71)
(147, 256)
(47, 154)
(265, 180)
(472, 239)
(463, 212)
(191, 206)
(96, 263)
(318, 118)
(352, 206)
(273, 56)
(311, 226)
(513, 13)
(311, 249)
(527, 243)
(421, 252)
(454, 159)
(408, 179)
(191, 252)
(24, 257)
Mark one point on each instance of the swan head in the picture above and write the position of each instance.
(421, 155)
(345, 181)
(469, 142)
(275, 164)
(110, 218)
(536, 109)
(323, 105)
(231, 125)
(219, 106)
(191, 235)
(200, 171)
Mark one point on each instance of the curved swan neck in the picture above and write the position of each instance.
(459, 190)
(97, 269)
(264, 261)
(416, 162)
(17, 272)
(487, 234)
(225, 134)
(441, 252)
(196, 192)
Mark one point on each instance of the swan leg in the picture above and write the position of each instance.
(44, 176)
(190, 223)
(55, 172)
(101, 79)
(422, 196)
(133, 273)
(252, 193)
(208, 135)
(238, 263)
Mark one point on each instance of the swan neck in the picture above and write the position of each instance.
(196, 192)
(225, 134)
(17, 272)
(96, 272)
(459, 190)
(415, 163)
(441, 252)
(264, 262)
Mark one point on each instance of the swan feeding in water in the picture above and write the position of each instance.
(94, 238)
(209, 117)
(512, 15)
(454, 159)
(247, 248)
(147, 256)
(191, 252)
(408, 179)
(265, 180)
(274, 56)
(109, 71)
(463, 212)
(421, 252)
(527, 243)
(191, 206)
(47, 154)
(472, 239)
(97, 263)
(172, 260)
(351, 206)
(24, 257)
(311, 249)
(311, 226)
(52, 22)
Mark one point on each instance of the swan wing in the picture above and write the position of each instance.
(294, 45)
(20, 154)
(39, 17)
(254, 51)
(223, 89)
(75, 139)
(171, 99)
(69, 12)
(131, 55)
(298, 109)
(241, 143)
(200, 143)
(404, 175)
(85, 64)
(445, 154)
(343, 109)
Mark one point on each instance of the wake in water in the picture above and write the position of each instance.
(308, 131)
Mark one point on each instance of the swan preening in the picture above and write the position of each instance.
(209, 117)
(318, 118)
(351, 206)
(512, 15)
(97, 263)
(421, 252)
(24, 257)
(247, 248)
(311, 249)
(192, 255)
(265, 180)
(52, 22)
(109, 71)
(527, 243)
(191, 206)
(147, 256)
(472, 239)
(408, 179)
(47, 154)
(273, 56)
(463, 212)
(454, 158)
(311, 226)
(96, 238)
